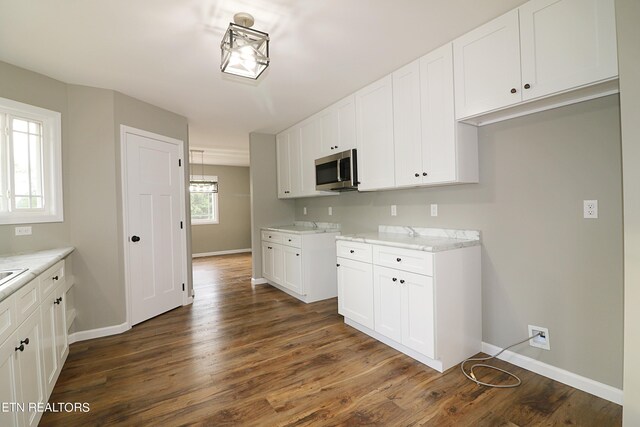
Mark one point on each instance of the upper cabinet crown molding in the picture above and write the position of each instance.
(545, 54)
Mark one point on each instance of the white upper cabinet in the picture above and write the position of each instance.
(338, 127)
(487, 67)
(309, 151)
(374, 126)
(566, 44)
(430, 146)
(282, 156)
(407, 132)
(545, 54)
(289, 155)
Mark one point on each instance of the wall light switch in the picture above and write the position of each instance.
(23, 231)
(304, 210)
(434, 210)
(394, 210)
(330, 211)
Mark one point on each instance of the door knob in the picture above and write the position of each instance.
(513, 90)
(25, 341)
(21, 348)
(401, 280)
(135, 239)
(398, 259)
(424, 174)
(417, 175)
(527, 86)
(394, 279)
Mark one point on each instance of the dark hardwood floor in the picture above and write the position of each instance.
(246, 356)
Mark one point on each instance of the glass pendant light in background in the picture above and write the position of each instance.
(245, 51)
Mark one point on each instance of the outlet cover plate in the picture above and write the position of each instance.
(590, 209)
(23, 231)
(394, 210)
(539, 341)
(434, 209)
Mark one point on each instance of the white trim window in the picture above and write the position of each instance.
(204, 200)
(30, 164)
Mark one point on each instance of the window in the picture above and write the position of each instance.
(204, 200)
(30, 164)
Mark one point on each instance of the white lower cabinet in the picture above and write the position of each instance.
(32, 355)
(300, 265)
(426, 305)
(292, 269)
(54, 334)
(355, 291)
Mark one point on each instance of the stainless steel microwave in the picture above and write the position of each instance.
(338, 172)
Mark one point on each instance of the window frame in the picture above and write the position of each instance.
(216, 203)
(52, 190)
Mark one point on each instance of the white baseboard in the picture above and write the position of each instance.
(98, 333)
(229, 252)
(259, 281)
(588, 385)
(189, 301)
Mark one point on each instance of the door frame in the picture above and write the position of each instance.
(124, 130)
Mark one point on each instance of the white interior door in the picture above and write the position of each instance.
(154, 194)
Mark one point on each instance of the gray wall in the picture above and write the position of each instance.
(91, 121)
(266, 208)
(93, 215)
(233, 230)
(542, 263)
(31, 88)
(628, 16)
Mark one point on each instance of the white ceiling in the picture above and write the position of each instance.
(166, 52)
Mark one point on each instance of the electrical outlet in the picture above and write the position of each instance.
(304, 210)
(23, 231)
(434, 210)
(394, 210)
(542, 340)
(590, 209)
(330, 210)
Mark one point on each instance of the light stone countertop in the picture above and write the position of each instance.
(421, 239)
(305, 227)
(35, 262)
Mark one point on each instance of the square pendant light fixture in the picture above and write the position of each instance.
(245, 51)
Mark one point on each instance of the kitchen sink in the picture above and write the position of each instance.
(6, 275)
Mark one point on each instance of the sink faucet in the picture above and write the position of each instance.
(315, 225)
(412, 231)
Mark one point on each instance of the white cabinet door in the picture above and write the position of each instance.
(284, 176)
(355, 291)
(295, 163)
(487, 67)
(338, 127)
(9, 384)
(29, 366)
(310, 151)
(407, 134)
(346, 114)
(374, 125)
(328, 131)
(60, 326)
(48, 310)
(292, 271)
(566, 44)
(418, 327)
(387, 300)
(278, 263)
(267, 260)
(437, 117)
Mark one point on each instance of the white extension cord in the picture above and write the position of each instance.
(472, 376)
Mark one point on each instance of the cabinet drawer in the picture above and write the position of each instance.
(51, 278)
(419, 262)
(271, 236)
(8, 321)
(292, 240)
(354, 250)
(27, 299)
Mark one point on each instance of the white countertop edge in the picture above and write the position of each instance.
(300, 230)
(439, 247)
(36, 262)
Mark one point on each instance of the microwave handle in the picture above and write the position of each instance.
(338, 168)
